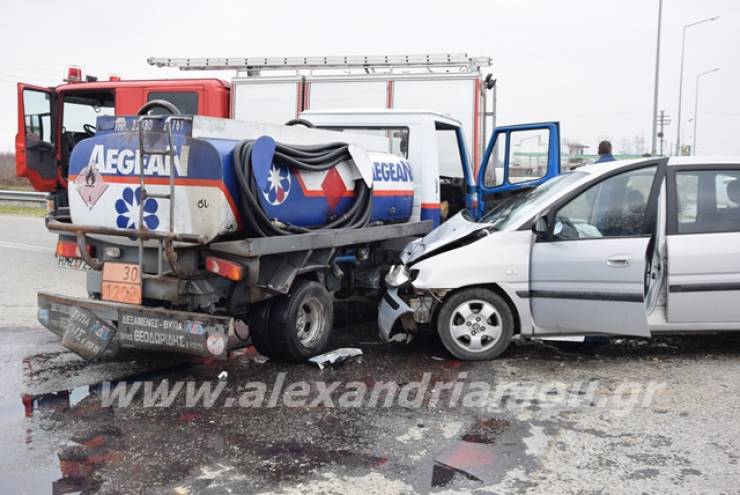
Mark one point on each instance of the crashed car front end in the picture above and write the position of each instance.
(409, 299)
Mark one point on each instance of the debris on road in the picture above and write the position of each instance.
(335, 356)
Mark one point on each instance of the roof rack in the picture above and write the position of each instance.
(459, 60)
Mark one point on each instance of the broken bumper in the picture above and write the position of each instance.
(94, 329)
(392, 307)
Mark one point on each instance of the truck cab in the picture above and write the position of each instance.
(52, 120)
(516, 158)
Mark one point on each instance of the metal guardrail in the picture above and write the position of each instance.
(30, 197)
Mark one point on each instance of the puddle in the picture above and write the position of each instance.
(481, 456)
(444, 476)
(36, 480)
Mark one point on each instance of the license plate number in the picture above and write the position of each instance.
(121, 283)
(72, 263)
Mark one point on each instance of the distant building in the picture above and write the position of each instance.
(576, 155)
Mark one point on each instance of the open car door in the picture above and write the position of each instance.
(593, 253)
(517, 158)
(35, 152)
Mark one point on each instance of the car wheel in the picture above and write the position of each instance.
(258, 321)
(475, 324)
(301, 322)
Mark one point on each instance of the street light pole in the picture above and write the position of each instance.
(696, 105)
(680, 79)
(657, 77)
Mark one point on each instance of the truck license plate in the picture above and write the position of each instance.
(72, 263)
(121, 283)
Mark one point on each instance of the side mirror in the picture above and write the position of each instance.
(539, 227)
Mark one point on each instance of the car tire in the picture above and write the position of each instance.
(258, 321)
(475, 324)
(301, 322)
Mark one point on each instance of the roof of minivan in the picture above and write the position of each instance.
(672, 161)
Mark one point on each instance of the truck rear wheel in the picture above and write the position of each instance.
(259, 328)
(301, 322)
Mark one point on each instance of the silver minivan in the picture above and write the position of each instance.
(632, 248)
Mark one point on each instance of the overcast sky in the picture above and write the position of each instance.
(587, 63)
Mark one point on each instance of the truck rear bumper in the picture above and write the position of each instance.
(94, 329)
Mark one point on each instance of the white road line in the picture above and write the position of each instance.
(24, 247)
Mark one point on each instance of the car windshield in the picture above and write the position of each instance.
(527, 204)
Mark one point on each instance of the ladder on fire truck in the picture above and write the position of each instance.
(369, 63)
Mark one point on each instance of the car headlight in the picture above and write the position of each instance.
(397, 276)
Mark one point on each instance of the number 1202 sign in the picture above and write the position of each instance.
(121, 283)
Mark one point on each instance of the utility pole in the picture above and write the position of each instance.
(680, 78)
(663, 121)
(696, 105)
(657, 77)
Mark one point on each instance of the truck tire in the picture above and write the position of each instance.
(475, 324)
(301, 322)
(258, 321)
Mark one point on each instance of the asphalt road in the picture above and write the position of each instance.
(632, 417)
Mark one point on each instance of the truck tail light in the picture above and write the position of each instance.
(225, 268)
(70, 249)
(74, 74)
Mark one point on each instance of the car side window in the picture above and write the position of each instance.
(708, 201)
(615, 207)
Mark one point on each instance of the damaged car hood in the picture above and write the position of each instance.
(452, 230)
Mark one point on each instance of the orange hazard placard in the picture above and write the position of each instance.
(121, 283)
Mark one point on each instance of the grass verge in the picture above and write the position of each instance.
(28, 211)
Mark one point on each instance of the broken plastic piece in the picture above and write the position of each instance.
(335, 356)
(402, 338)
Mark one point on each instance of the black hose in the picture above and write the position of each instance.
(315, 158)
(303, 122)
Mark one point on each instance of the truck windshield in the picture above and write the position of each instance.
(527, 204)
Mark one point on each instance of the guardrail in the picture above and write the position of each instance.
(28, 197)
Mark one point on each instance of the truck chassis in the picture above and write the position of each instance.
(274, 267)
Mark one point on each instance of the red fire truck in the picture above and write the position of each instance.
(272, 90)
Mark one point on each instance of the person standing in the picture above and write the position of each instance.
(605, 152)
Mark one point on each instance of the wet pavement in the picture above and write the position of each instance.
(555, 419)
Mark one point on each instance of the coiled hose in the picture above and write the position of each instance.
(314, 158)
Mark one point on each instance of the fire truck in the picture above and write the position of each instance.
(51, 121)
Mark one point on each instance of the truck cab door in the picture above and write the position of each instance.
(35, 151)
(517, 158)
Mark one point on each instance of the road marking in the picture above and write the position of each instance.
(24, 247)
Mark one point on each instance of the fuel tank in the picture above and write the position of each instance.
(105, 175)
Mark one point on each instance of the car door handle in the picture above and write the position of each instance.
(619, 260)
